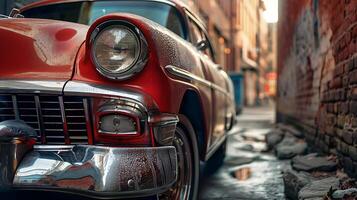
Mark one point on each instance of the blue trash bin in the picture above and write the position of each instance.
(238, 83)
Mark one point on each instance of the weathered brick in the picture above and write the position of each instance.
(327, 139)
(354, 174)
(330, 141)
(353, 121)
(348, 164)
(336, 82)
(339, 71)
(331, 96)
(330, 108)
(353, 77)
(347, 37)
(341, 121)
(353, 152)
(353, 107)
(347, 137)
(336, 107)
(333, 79)
(351, 64)
(345, 81)
(331, 119)
(354, 31)
(344, 148)
(354, 137)
(341, 95)
(339, 132)
(353, 93)
(330, 130)
(339, 145)
(344, 108)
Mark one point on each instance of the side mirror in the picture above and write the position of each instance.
(15, 13)
(219, 67)
(202, 45)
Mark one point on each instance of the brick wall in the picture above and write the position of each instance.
(317, 67)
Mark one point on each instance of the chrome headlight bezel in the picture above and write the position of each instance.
(140, 61)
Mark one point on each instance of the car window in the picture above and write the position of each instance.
(87, 12)
(209, 51)
(66, 12)
(198, 35)
(160, 13)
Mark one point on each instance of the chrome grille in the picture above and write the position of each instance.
(6, 108)
(57, 119)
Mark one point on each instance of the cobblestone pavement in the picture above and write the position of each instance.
(248, 172)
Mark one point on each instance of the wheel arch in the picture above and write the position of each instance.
(192, 117)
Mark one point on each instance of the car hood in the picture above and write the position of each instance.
(39, 49)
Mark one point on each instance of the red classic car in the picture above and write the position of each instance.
(110, 99)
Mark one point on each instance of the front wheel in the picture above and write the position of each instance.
(186, 186)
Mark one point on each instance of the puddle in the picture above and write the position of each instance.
(242, 174)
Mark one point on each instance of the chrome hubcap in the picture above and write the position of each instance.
(181, 189)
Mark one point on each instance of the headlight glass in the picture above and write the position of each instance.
(116, 49)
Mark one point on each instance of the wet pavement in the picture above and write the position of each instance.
(248, 172)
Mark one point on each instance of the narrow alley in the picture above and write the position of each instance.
(249, 171)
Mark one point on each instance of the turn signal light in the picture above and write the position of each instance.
(117, 124)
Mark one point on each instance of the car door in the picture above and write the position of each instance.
(214, 76)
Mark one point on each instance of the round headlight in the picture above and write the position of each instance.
(118, 50)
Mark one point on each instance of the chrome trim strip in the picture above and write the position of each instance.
(87, 89)
(40, 119)
(26, 86)
(88, 121)
(16, 109)
(101, 171)
(133, 113)
(52, 147)
(75, 88)
(192, 77)
(64, 121)
(187, 75)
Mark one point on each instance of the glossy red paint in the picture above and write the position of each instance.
(39, 49)
(166, 91)
(151, 80)
(164, 48)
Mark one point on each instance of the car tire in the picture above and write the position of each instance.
(216, 160)
(186, 186)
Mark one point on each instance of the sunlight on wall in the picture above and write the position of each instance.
(271, 13)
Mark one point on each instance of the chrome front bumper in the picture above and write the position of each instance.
(98, 171)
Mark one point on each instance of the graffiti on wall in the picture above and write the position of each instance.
(310, 57)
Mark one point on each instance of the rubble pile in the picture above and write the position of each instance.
(312, 175)
(286, 142)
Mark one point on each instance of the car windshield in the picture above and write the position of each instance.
(87, 12)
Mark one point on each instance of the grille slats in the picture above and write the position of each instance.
(74, 112)
(57, 119)
(8, 108)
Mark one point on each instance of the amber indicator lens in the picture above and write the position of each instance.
(117, 124)
(116, 49)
